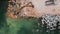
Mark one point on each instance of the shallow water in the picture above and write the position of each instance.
(20, 26)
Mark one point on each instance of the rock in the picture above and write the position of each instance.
(51, 21)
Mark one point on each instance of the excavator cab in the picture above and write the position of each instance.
(50, 2)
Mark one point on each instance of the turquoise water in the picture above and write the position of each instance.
(20, 26)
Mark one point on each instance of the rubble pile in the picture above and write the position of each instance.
(51, 21)
(47, 23)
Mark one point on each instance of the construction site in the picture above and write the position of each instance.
(30, 17)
